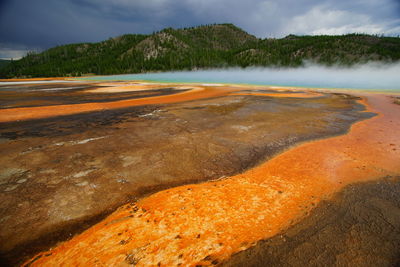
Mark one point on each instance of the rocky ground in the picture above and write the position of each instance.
(61, 175)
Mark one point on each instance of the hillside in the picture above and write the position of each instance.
(4, 62)
(210, 46)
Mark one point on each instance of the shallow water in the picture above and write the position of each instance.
(371, 77)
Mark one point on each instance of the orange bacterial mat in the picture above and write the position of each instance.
(205, 223)
(30, 113)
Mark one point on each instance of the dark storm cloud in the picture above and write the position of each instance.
(39, 24)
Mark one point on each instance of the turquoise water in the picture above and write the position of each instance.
(367, 77)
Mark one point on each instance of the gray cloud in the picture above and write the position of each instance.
(12, 51)
(46, 23)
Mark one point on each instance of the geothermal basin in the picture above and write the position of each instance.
(148, 173)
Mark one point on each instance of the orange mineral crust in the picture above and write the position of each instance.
(29, 113)
(289, 94)
(33, 79)
(206, 223)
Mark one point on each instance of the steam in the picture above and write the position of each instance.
(372, 76)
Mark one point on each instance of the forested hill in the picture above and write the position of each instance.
(4, 62)
(210, 46)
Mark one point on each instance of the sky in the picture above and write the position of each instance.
(35, 25)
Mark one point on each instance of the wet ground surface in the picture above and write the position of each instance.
(206, 223)
(72, 124)
(63, 174)
(358, 227)
(37, 95)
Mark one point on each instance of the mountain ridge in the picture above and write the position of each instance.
(201, 47)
